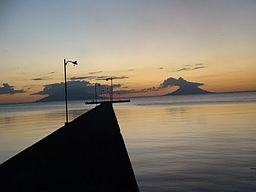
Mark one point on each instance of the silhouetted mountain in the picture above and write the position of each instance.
(188, 91)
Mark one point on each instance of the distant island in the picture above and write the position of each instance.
(70, 97)
(189, 91)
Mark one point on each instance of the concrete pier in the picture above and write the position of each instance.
(88, 154)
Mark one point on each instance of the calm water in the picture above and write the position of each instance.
(175, 143)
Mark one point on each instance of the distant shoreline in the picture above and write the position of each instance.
(210, 93)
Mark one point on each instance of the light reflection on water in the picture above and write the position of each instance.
(181, 147)
(192, 148)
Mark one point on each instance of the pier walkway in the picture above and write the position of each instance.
(88, 154)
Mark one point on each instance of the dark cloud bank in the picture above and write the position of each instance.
(77, 90)
(81, 90)
(8, 89)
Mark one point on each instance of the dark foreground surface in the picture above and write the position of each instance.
(87, 155)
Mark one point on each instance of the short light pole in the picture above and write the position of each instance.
(95, 91)
(66, 90)
(111, 88)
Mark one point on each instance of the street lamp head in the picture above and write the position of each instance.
(74, 62)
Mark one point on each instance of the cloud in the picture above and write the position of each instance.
(113, 77)
(77, 90)
(95, 72)
(103, 77)
(93, 77)
(190, 67)
(83, 77)
(120, 77)
(199, 67)
(56, 87)
(8, 89)
(178, 82)
(41, 78)
(185, 87)
(184, 69)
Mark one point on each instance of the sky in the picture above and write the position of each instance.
(143, 41)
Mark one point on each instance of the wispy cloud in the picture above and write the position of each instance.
(190, 67)
(95, 72)
(95, 77)
(184, 69)
(120, 77)
(200, 67)
(44, 76)
(89, 77)
(41, 78)
(113, 77)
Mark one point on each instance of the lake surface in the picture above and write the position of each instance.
(175, 143)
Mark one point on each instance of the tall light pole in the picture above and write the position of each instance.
(66, 91)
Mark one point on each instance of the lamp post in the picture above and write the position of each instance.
(111, 88)
(95, 91)
(66, 91)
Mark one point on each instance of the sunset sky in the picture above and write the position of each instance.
(142, 42)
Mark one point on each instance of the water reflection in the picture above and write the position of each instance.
(76, 113)
(7, 120)
(20, 130)
(206, 147)
(192, 148)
